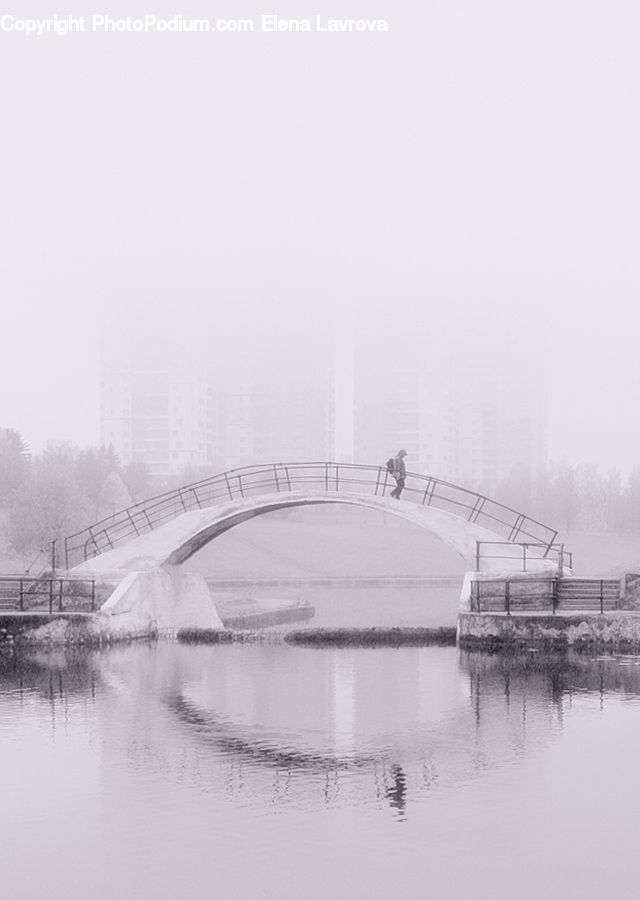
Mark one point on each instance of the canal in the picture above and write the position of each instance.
(268, 770)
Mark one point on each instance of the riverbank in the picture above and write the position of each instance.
(65, 629)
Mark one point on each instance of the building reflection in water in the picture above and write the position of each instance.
(290, 726)
(343, 711)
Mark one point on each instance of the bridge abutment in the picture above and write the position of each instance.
(158, 600)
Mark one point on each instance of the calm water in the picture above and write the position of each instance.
(341, 606)
(276, 771)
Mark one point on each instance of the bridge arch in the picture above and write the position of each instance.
(176, 541)
(169, 528)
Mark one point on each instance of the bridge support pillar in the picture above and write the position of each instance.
(156, 601)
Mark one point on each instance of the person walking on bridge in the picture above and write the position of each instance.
(399, 473)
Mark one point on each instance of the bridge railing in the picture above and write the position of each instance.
(523, 552)
(328, 477)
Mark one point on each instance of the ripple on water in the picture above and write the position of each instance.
(265, 753)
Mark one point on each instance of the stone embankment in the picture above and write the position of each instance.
(68, 629)
(616, 631)
(534, 610)
(246, 621)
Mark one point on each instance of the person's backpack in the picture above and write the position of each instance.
(391, 465)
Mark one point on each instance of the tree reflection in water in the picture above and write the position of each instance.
(260, 726)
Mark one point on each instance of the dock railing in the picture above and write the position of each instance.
(47, 594)
(505, 595)
(531, 594)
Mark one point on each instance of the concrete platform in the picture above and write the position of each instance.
(264, 613)
(618, 630)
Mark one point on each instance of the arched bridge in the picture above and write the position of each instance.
(169, 528)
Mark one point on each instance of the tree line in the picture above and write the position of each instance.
(51, 494)
(62, 489)
(576, 498)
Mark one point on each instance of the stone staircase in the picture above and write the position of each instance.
(588, 594)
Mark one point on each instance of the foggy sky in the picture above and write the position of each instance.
(477, 165)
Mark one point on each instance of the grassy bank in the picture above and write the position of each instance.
(204, 636)
(373, 637)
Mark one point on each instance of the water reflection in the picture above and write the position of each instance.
(54, 675)
(223, 736)
(396, 793)
(182, 761)
(551, 677)
(269, 725)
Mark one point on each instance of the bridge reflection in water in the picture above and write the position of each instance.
(275, 771)
(274, 724)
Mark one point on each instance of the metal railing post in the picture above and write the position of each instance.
(93, 596)
(60, 596)
(477, 556)
(133, 524)
(554, 596)
(21, 595)
(561, 560)
(51, 595)
(507, 596)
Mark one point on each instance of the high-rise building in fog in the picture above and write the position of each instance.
(501, 416)
(158, 404)
(466, 410)
(189, 402)
(193, 400)
(276, 396)
(403, 397)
